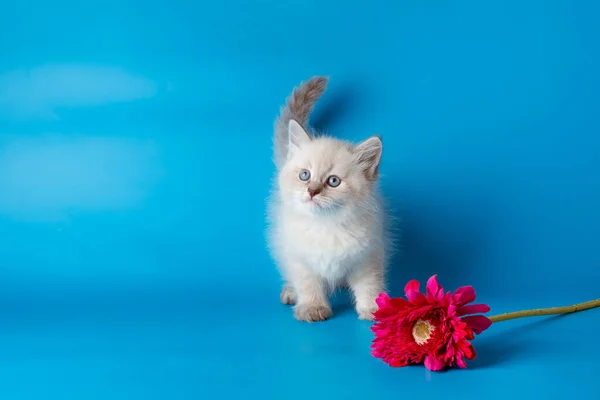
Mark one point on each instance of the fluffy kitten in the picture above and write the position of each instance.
(326, 217)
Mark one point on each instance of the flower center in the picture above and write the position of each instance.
(422, 331)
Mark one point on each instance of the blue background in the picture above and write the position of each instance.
(135, 163)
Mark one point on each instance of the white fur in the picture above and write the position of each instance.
(338, 237)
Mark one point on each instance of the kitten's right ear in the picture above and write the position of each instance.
(297, 136)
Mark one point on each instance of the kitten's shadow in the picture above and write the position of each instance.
(341, 301)
(430, 239)
(434, 236)
(336, 103)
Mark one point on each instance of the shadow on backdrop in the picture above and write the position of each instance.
(512, 344)
(443, 235)
(443, 240)
(340, 100)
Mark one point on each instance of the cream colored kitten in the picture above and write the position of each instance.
(326, 217)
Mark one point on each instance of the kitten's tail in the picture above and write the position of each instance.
(298, 107)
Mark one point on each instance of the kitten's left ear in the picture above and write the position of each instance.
(368, 154)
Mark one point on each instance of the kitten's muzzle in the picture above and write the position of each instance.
(312, 192)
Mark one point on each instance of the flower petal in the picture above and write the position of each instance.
(446, 300)
(383, 300)
(412, 292)
(385, 312)
(416, 298)
(449, 356)
(467, 349)
(434, 291)
(473, 309)
(464, 295)
(460, 362)
(478, 323)
(412, 286)
(434, 364)
(398, 363)
(473, 354)
(399, 303)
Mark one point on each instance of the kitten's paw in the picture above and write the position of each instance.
(366, 312)
(312, 312)
(287, 296)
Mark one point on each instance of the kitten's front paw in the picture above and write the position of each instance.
(312, 312)
(366, 312)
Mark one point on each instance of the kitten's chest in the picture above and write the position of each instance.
(327, 246)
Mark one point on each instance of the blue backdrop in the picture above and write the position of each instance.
(135, 163)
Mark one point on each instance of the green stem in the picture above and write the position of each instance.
(546, 311)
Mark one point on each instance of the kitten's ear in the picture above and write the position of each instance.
(297, 136)
(368, 154)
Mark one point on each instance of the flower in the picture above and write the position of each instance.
(432, 328)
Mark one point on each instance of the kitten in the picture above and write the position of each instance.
(326, 217)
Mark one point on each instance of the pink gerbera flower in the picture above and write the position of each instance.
(433, 328)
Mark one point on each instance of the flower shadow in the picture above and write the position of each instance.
(510, 345)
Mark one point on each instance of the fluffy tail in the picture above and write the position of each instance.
(298, 107)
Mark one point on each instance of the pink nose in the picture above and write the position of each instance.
(313, 192)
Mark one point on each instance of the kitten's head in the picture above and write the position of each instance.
(325, 175)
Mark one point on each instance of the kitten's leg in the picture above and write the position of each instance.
(312, 303)
(366, 283)
(288, 295)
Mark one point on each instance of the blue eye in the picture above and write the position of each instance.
(304, 175)
(334, 181)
